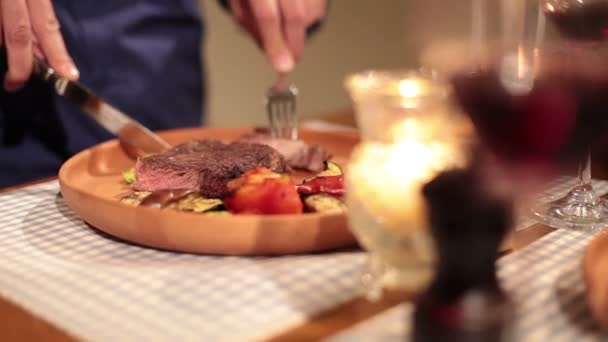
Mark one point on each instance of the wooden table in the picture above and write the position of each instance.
(20, 325)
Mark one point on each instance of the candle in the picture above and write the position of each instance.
(389, 177)
(409, 136)
(387, 211)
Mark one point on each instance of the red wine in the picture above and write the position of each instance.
(558, 119)
(581, 21)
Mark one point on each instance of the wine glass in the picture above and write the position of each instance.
(537, 104)
(583, 24)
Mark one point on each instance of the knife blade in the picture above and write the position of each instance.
(133, 136)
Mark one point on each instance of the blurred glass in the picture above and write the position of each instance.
(537, 103)
(409, 135)
(584, 26)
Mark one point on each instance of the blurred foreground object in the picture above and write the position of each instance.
(464, 302)
(538, 106)
(409, 135)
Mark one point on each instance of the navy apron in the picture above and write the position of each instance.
(143, 56)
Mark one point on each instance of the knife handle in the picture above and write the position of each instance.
(40, 69)
(44, 72)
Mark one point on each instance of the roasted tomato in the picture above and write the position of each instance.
(261, 191)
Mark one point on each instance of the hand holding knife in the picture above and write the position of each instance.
(135, 138)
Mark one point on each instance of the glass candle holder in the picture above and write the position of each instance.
(409, 135)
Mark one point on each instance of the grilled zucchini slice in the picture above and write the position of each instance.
(322, 203)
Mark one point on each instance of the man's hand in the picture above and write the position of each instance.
(30, 27)
(278, 26)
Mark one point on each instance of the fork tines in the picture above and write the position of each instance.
(281, 107)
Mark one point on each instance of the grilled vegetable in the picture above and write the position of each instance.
(193, 202)
(322, 203)
(129, 176)
(135, 198)
(331, 185)
(197, 204)
(218, 213)
(261, 191)
(331, 169)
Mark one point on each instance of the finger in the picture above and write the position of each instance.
(1, 34)
(243, 15)
(268, 23)
(294, 25)
(316, 11)
(18, 40)
(248, 22)
(236, 8)
(36, 48)
(46, 28)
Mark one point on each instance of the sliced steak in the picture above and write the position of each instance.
(204, 165)
(297, 153)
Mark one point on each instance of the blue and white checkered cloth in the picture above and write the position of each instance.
(97, 288)
(543, 279)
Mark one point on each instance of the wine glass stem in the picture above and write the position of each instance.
(584, 171)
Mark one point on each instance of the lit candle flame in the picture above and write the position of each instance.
(409, 88)
(390, 177)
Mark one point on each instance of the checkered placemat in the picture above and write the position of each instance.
(543, 279)
(97, 288)
(100, 289)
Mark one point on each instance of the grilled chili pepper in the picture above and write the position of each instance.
(331, 185)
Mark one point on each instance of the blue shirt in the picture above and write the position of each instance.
(143, 56)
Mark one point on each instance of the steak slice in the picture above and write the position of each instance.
(204, 165)
(297, 153)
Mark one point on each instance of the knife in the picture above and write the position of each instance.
(136, 139)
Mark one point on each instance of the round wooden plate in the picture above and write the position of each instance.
(595, 273)
(92, 185)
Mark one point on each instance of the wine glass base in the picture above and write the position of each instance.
(580, 209)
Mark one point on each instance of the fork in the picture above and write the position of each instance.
(281, 108)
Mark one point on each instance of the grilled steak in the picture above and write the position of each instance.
(204, 165)
(298, 154)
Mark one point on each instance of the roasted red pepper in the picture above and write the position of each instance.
(331, 185)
